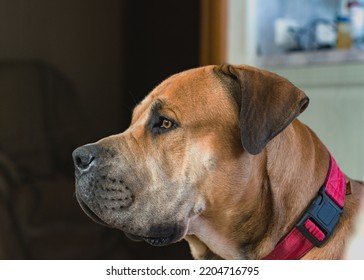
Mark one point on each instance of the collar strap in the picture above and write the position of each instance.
(318, 221)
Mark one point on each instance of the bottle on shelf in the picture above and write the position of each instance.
(343, 33)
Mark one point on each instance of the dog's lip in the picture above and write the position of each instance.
(90, 213)
(155, 241)
(159, 240)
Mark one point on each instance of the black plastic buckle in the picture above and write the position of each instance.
(324, 213)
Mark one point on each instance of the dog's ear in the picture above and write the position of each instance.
(268, 103)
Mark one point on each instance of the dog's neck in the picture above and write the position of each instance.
(265, 214)
(293, 182)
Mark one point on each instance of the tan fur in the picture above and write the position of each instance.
(230, 204)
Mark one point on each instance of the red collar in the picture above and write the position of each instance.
(318, 221)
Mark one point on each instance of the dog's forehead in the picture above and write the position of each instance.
(193, 87)
(184, 84)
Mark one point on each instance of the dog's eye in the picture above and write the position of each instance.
(162, 125)
(159, 123)
(166, 124)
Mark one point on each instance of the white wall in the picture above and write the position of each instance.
(241, 33)
(336, 109)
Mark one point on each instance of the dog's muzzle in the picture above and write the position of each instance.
(100, 190)
(107, 199)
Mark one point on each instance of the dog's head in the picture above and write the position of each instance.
(177, 158)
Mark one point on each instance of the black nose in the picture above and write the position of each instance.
(84, 156)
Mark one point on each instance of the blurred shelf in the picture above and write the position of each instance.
(311, 58)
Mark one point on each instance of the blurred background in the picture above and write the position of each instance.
(71, 72)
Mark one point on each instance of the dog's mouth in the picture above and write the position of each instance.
(155, 241)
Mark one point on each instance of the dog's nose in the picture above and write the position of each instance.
(83, 157)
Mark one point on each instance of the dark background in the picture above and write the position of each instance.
(71, 71)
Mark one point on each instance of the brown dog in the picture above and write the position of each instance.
(214, 155)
